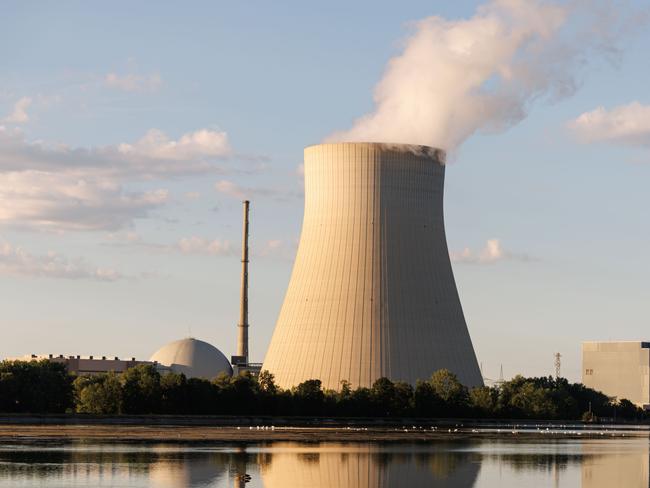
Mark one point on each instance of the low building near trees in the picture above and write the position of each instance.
(192, 357)
(86, 365)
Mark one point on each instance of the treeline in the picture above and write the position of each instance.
(46, 387)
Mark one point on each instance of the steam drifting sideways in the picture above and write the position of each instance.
(454, 78)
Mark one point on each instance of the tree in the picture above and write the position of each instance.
(426, 402)
(533, 402)
(237, 394)
(308, 398)
(483, 400)
(382, 394)
(628, 410)
(453, 394)
(141, 392)
(266, 382)
(99, 394)
(35, 387)
(174, 393)
(202, 397)
(391, 399)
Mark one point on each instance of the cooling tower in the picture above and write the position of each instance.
(372, 292)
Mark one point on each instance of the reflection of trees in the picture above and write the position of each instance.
(538, 456)
(546, 462)
(169, 465)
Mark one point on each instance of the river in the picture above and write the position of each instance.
(508, 462)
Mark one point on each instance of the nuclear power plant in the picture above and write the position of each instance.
(372, 292)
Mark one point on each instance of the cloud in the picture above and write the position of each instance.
(235, 190)
(133, 82)
(456, 77)
(493, 252)
(199, 245)
(71, 201)
(154, 156)
(16, 262)
(58, 187)
(625, 124)
(156, 145)
(19, 114)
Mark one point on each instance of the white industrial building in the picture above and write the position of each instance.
(618, 369)
(193, 358)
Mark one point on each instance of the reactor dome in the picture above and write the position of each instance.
(194, 358)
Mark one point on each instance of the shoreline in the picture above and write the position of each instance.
(162, 428)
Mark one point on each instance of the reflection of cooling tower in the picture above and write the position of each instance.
(372, 292)
(337, 466)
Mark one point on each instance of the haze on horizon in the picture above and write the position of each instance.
(127, 143)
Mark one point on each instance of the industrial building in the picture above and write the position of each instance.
(619, 369)
(85, 365)
(193, 358)
(372, 292)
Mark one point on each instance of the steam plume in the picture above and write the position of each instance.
(454, 78)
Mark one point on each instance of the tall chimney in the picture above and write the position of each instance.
(242, 341)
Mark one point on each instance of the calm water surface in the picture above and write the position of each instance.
(589, 463)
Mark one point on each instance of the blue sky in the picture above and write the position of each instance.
(131, 132)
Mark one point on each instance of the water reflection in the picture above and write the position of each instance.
(625, 465)
(478, 464)
(345, 466)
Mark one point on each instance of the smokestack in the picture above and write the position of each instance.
(242, 341)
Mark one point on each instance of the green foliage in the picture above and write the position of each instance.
(266, 382)
(141, 391)
(390, 399)
(174, 393)
(99, 394)
(45, 386)
(35, 387)
(309, 398)
(483, 400)
(627, 410)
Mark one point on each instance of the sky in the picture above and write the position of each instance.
(130, 133)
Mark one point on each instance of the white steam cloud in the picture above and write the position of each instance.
(454, 78)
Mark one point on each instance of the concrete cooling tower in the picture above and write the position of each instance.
(372, 292)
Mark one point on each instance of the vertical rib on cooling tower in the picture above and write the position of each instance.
(372, 291)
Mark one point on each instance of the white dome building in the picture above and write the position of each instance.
(193, 358)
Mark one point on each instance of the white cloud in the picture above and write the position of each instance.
(492, 252)
(71, 201)
(19, 114)
(154, 156)
(15, 261)
(456, 77)
(626, 124)
(199, 245)
(133, 82)
(58, 187)
(156, 145)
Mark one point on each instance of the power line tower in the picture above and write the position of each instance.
(558, 364)
(501, 380)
